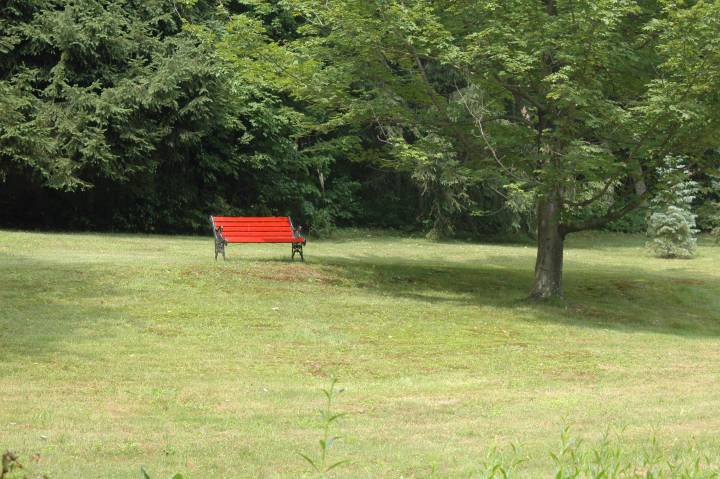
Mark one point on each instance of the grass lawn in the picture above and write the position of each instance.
(118, 351)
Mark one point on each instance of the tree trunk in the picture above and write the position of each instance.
(551, 239)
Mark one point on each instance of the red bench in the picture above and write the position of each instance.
(243, 229)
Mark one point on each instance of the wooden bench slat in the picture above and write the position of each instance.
(270, 227)
(227, 234)
(249, 234)
(254, 232)
(262, 239)
(252, 220)
(273, 224)
(253, 225)
(254, 228)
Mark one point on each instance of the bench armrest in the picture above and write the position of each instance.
(298, 233)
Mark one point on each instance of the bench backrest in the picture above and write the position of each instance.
(242, 229)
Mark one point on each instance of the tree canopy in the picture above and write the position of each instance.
(572, 104)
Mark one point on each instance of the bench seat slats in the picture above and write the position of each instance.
(227, 233)
(251, 218)
(229, 228)
(241, 229)
(252, 226)
(229, 220)
(262, 239)
(285, 227)
(259, 234)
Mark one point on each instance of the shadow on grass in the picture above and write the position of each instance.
(46, 302)
(613, 298)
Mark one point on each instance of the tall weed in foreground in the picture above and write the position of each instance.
(11, 468)
(606, 459)
(10, 464)
(321, 464)
(145, 475)
(502, 465)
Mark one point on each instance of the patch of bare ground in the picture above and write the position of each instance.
(163, 330)
(295, 273)
(326, 369)
(687, 281)
(586, 311)
(628, 285)
(292, 272)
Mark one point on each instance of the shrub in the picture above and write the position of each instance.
(323, 223)
(673, 233)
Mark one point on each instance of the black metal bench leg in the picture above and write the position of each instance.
(220, 249)
(297, 248)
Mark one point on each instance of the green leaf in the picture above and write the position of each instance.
(337, 464)
(310, 461)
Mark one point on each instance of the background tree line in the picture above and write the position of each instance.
(113, 116)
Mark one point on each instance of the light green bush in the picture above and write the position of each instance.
(671, 226)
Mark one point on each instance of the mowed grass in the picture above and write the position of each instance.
(118, 351)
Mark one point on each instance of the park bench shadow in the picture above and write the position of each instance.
(611, 298)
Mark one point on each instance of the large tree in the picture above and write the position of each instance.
(570, 102)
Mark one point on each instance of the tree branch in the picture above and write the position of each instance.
(609, 217)
(517, 91)
(595, 197)
(479, 121)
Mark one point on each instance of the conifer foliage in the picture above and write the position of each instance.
(671, 226)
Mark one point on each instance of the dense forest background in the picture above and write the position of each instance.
(158, 132)
(129, 115)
